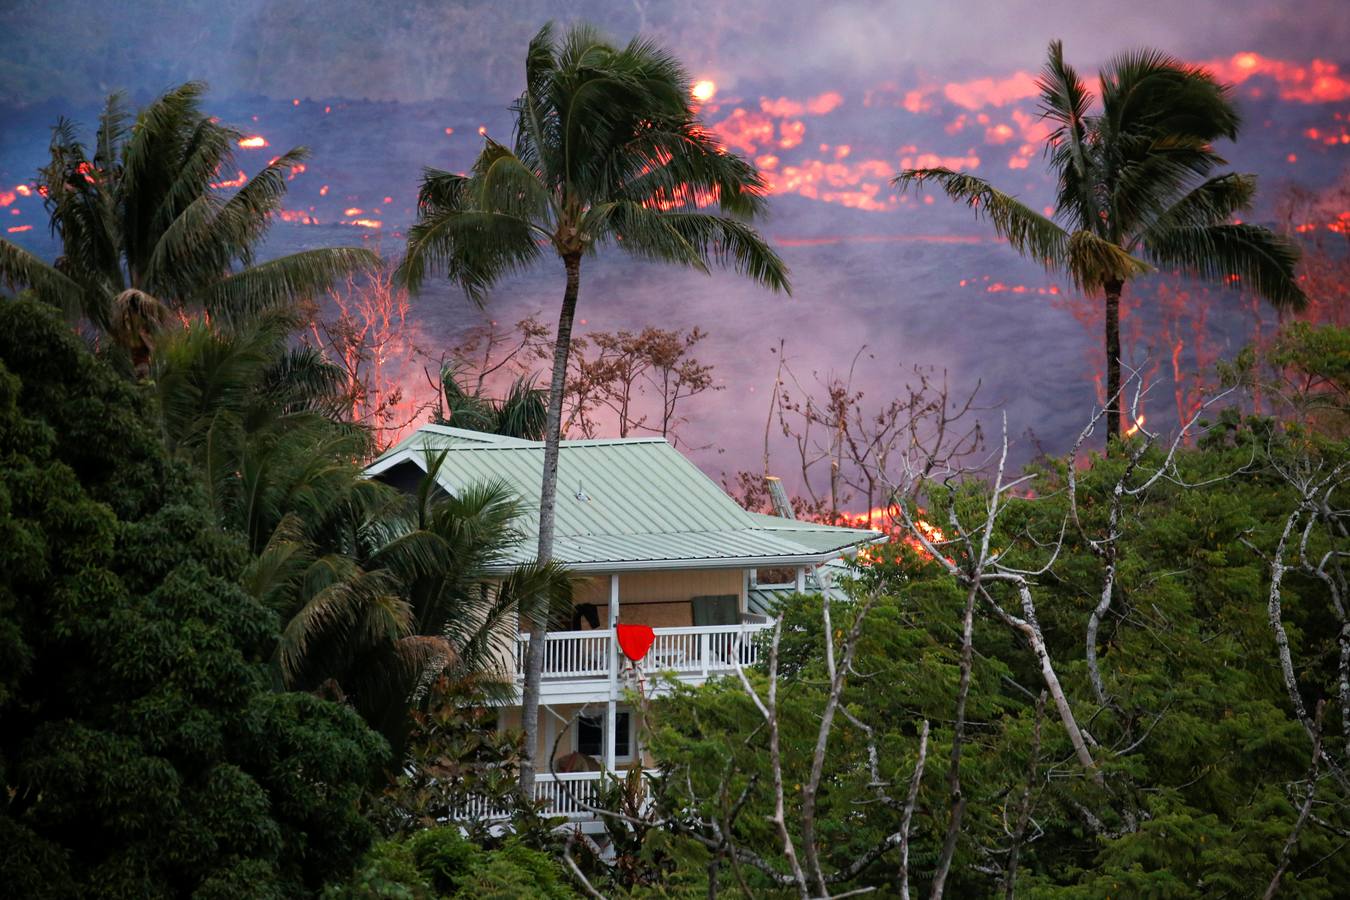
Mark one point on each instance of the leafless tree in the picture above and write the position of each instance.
(849, 450)
(366, 329)
(635, 382)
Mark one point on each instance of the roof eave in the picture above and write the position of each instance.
(721, 562)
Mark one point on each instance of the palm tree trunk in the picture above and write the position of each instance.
(1113, 398)
(548, 492)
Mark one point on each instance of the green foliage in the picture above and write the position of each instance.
(441, 863)
(1204, 761)
(142, 751)
(374, 587)
(522, 413)
(453, 754)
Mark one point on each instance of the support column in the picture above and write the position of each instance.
(801, 579)
(550, 736)
(611, 715)
(611, 719)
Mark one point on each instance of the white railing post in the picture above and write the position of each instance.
(705, 651)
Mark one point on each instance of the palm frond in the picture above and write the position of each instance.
(1065, 101)
(693, 239)
(1213, 202)
(501, 183)
(279, 283)
(1094, 261)
(539, 589)
(1030, 233)
(1245, 256)
(476, 249)
(1150, 92)
(523, 412)
(1148, 174)
(20, 269)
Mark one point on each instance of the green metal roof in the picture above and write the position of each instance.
(624, 503)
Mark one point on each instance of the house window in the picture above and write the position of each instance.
(590, 732)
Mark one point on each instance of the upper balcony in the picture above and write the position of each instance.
(582, 666)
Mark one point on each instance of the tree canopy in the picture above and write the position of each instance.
(143, 751)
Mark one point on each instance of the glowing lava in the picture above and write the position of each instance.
(704, 90)
(237, 181)
(253, 142)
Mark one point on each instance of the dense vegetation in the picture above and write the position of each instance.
(1203, 761)
(143, 750)
(231, 666)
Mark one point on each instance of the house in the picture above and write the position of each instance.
(657, 543)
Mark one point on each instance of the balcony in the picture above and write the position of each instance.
(566, 794)
(692, 653)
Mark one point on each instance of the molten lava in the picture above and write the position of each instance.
(237, 181)
(253, 142)
(702, 91)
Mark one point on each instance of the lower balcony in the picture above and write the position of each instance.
(566, 794)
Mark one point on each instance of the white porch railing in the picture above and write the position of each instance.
(695, 651)
(563, 794)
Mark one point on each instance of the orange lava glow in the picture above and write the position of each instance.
(253, 142)
(681, 198)
(237, 181)
(816, 106)
(296, 216)
(1134, 429)
(352, 211)
(7, 197)
(1316, 82)
(858, 184)
(15, 229)
(880, 518)
(365, 223)
(702, 91)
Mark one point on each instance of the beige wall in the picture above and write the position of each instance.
(551, 727)
(660, 599)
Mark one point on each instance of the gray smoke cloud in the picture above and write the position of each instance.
(78, 50)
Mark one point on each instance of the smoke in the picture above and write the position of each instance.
(414, 50)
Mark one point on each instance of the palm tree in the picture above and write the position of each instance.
(144, 233)
(263, 423)
(522, 413)
(1136, 185)
(378, 592)
(608, 151)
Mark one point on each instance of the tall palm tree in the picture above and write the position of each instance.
(144, 234)
(1136, 185)
(608, 151)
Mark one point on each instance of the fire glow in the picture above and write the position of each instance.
(253, 142)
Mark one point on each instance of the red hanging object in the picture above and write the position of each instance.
(635, 640)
